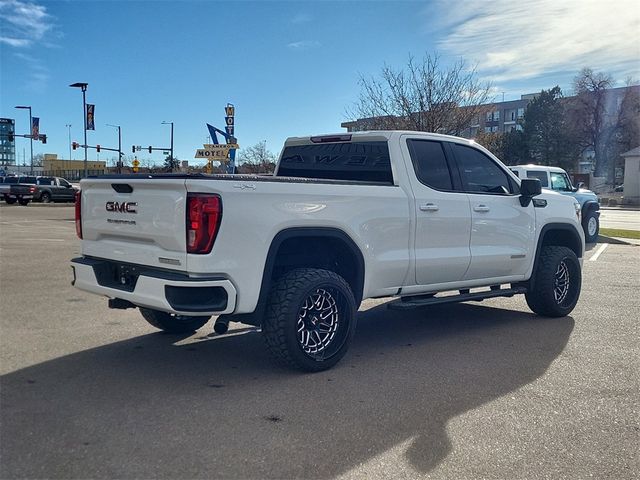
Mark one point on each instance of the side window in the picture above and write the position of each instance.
(516, 173)
(559, 181)
(480, 174)
(430, 164)
(63, 183)
(542, 176)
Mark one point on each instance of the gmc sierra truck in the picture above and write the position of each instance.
(425, 218)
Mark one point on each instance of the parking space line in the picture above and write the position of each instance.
(595, 256)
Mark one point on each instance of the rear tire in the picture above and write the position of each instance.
(591, 227)
(310, 319)
(173, 323)
(45, 197)
(557, 282)
(9, 200)
(23, 201)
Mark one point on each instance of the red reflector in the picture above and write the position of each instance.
(79, 214)
(204, 213)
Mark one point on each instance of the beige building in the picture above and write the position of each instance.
(70, 169)
(632, 176)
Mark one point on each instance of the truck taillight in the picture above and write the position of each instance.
(32, 189)
(204, 213)
(79, 214)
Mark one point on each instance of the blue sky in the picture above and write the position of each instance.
(290, 68)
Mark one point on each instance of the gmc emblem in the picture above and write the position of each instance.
(123, 207)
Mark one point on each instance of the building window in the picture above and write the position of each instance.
(521, 113)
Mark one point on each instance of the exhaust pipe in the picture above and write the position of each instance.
(120, 304)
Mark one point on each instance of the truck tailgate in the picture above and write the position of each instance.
(139, 221)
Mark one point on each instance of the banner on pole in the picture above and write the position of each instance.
(91, 125)
(35, 128)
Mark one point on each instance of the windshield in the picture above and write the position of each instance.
(560, 182)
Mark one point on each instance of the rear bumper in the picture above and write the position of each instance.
(157, 289)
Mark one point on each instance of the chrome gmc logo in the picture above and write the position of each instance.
(123, 207)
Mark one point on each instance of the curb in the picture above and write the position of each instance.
(615, 241)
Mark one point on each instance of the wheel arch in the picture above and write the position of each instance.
(558, 234)
(311, 247)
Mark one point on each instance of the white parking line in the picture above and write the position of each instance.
(595, 256)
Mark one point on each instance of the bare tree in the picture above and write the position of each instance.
(423, 96)
(256, 159)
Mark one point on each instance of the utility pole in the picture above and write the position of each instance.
(69, 127)
(83, 86)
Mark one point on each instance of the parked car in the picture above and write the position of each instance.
(556, 179)
(345, 217)
(50, 189)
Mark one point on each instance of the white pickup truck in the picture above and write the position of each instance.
(345, 217)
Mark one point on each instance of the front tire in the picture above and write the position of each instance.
(556, 284)
(173, 323)
(591, 227)
(310, 319)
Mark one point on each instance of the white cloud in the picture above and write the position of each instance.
(25, 23)
(304, 45)
(521, 40)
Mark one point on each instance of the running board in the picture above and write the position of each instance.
(421, 301)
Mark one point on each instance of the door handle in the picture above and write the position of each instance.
(481, 208)
(429, 207)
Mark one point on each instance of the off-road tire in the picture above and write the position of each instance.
(294, 316)
(23, 201)
(45, 197)
(588, 222)
(556, 267)
(173, 323)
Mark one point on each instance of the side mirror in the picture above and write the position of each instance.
(580, 185)
(529, 188)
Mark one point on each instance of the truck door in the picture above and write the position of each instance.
(501, 229)
(442, 214)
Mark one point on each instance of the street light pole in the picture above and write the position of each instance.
(69, 127)
(23, 107)
(83, 86)
(119, 146)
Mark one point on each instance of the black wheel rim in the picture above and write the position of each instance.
(561, 283)
(321, 324)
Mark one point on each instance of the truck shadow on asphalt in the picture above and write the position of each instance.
(155, 406)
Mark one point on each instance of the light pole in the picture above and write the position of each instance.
(119, 145)
(68, 125)
(30, 132)
(170, 123)
(83, 86)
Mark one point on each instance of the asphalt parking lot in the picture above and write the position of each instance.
(478, 390)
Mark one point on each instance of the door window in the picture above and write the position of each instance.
(480, 174)
(542, 176)
(430, 164)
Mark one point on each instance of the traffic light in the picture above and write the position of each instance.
(11, 137)
(74, 145)
(133, 149)
(98, 148)
(150, 149)
(43, 138)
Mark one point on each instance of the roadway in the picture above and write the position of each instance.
(471, 391)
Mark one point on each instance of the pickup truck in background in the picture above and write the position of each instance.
(555, 178)
(425, 218)
(50, 189)
(12, 191)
